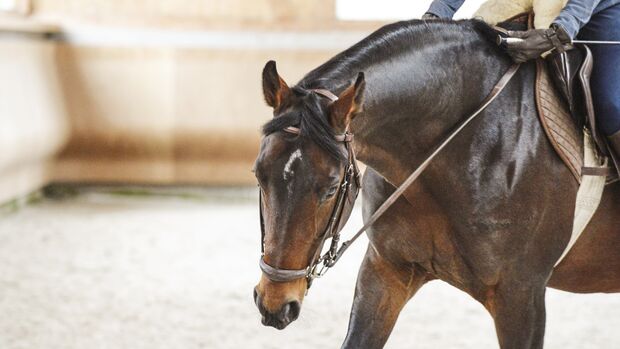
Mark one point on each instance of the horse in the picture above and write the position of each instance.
(491, 215)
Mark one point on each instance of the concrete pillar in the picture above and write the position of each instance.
(32, 118)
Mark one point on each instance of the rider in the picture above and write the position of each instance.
(582, 19)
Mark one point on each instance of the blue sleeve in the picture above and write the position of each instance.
(445, 8)
(575, 15)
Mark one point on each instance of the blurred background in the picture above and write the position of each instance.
(155, 91)
(128, 214)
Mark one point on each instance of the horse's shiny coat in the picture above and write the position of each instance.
(490, 216)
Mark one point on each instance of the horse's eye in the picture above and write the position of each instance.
(331, 192)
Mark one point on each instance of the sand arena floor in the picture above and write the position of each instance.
(105, 270)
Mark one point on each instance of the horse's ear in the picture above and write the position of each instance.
(275, 89)
(348, 105)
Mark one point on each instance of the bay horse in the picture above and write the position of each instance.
(490, 216)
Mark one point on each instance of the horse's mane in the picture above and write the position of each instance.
(388, 42)
(391, 41)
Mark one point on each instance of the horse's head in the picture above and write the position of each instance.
(303, 162)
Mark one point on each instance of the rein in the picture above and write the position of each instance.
(352, 176)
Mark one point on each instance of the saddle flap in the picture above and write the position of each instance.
(563, 133)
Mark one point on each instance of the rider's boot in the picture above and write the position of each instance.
(614, 144)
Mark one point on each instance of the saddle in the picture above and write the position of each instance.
(564, 104)
(566, 112)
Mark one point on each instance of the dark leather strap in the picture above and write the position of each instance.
(497, 89)
(596, 171)
(585, 74)
(281, 275)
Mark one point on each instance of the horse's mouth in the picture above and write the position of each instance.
(275, 323)
(287, 314)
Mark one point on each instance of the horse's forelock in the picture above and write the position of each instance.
(310, 116)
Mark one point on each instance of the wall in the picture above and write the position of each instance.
(161, 92)
(166, 115)
(169, 92)
(315, 15)
(33, 127)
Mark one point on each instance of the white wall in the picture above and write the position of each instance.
(32, 118)
(394, 9)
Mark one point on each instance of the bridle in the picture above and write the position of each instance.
(346, 195)
(350, 183)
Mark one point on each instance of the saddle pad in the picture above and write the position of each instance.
(496, 11)
(564, 135)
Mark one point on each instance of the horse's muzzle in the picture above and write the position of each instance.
(288, 313)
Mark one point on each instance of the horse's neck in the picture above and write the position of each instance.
(413, 103)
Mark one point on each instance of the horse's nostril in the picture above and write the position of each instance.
(255, 297)
(284, 313)
(291, 311)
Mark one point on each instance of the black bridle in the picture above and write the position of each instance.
(352, 178)
(347, 193)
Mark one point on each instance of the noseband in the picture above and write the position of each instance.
(349, 184)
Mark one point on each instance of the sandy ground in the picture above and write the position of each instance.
(109, 271)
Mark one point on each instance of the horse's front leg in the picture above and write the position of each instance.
(518, 309)
(382, 291)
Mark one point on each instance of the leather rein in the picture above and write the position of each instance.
(319, 265)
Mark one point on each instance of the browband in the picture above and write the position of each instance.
(345, 137)
(325, 93)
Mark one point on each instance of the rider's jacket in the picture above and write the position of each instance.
(575, 15)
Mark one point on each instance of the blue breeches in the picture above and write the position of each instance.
(605, 25)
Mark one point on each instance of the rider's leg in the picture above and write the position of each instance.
(605, 25)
